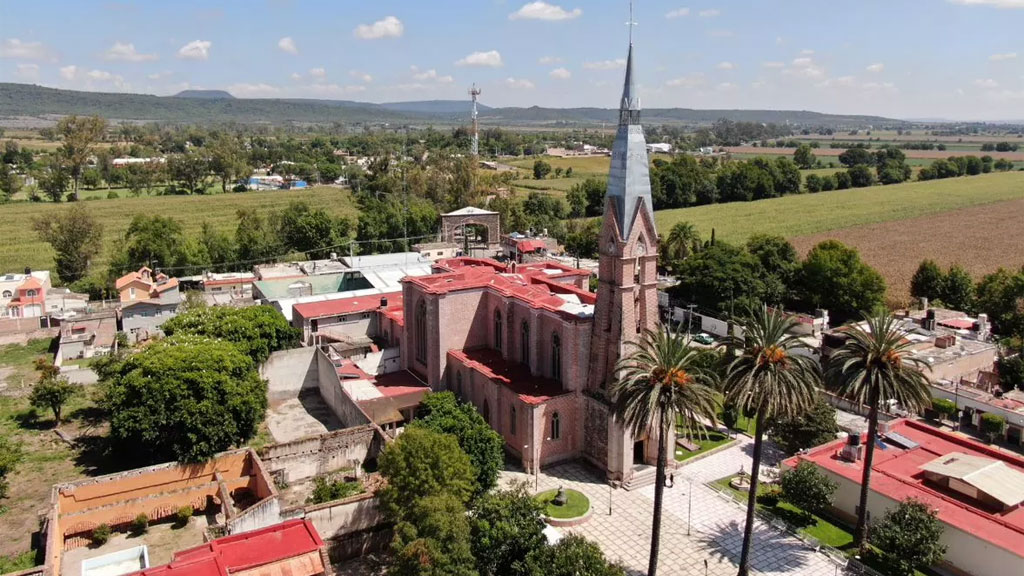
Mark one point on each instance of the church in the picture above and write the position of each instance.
(530, 345)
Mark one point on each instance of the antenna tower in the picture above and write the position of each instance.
(475, 145)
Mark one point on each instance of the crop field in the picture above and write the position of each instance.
(979, 238)
(921, 154)
(19, 246)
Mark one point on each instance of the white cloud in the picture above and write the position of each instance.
(773, 64)
(806, 52)
(725, 66)
(244, 90)
(518, 83)
(491, 58)
(296, 76)
(361, 76)
(330, 90)
(126, 52)
(195, 50)
(560, 74)
(876, 67)
(606, 64)
(725, 86)
(431, 76)
(986, 83)
(691, 81)
(104, 77)
(544, 11)
(16, 49)
(158, 75)
(677, 13)
(842, 81)
(286, 44)
(27, 72)
(886, 86)
(993, 3)
(69, 72)
(1003, 57)
(708, 13)
(389, 27)
(549, 60)
(318, 73)
(805, 67)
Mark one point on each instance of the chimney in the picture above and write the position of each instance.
(924, 303)
(929, 320)
(28, 271)
(383, 301)
(334, 255)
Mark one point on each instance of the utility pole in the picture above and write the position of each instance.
(474, 148)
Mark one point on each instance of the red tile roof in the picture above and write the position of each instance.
(896, 473)
(343, 306)
(513, 375)
(530, 245)
(31, 283)
(958, 323)
(288, 542)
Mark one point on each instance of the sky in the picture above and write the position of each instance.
(952, 59)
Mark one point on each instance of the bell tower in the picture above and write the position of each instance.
(627, 299)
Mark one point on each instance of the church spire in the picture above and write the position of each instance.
(629, 179)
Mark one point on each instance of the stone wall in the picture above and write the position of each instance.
(335, 396)
(289, 372)
(317, 455)
(595, 432)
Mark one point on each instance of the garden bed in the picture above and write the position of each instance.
(575, 511)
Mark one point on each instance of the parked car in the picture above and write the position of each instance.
(704, 338)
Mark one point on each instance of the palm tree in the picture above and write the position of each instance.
(874, 365)
(769, 378)
(682, 241)
(657, 385)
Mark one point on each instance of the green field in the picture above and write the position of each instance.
(813, 213)
(19, 246)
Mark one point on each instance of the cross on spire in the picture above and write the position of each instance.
(631, 23)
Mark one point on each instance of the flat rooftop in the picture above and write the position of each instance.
(899, 473)
(513, 375)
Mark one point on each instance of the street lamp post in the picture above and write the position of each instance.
(689, 319)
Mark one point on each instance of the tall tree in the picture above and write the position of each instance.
(53, 393)
(423, 463)
(682, 241)
(958, 289)
(155, 241)
(80, 133)
(75, 236)
(53, 178)
(10, 183)
(909, 536)
(875, 366)
(227, 160)
(834, 277)
(659, 383)
(928, 281)
(191, 170)
(804, 157)
(771, 379)
(507, 527)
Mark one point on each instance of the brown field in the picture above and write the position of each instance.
(979, 238)
(925, 154)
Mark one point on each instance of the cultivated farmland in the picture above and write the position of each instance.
(979, 238)
(919, 154)
(19, 246)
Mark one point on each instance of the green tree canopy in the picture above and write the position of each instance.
(833, 277)
(506, 528)
(806, 430)
(928, 281)
(421, 463)
(184, 398)
(255, 330)
(52, 393)
(682, 241)
(574, 555)
(586, 199)
(76, 238)
(442, 412)
(807, 488)
(779, 265)
(1001, 295)
(11, 454)
(958, 289)
(541, 169)
(804, 157)
(721, 277)
(909, 537)
(433, 539)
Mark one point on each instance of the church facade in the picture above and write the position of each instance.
(530, 346)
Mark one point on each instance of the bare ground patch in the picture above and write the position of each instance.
(979, 238)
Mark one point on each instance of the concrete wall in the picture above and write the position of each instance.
(290, 372)
(343, 517)
(334, 395)
(309, 457)
(386, 361)
(265, 513)
(965, 551)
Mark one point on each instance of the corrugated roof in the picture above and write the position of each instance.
(989, 476)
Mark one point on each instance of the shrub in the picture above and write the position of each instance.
(909, 537)
(112, 195)
(101, 534)
(239, 188)
(944, 407)
(141, 524)
(327, 491)
(992, 426)
(807, 488)
(183, 514)
(770, 496)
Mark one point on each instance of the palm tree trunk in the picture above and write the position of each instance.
(861, 534)
(755, 470)
(659, 493)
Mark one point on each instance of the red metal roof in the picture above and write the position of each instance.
(958, 323)
(513, 375)
(246, 551)
(343, 306)
(896, 473)
(530, 245)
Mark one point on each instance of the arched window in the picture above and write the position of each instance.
(487, 412)
(556, 357)
(497, 329)
(524, 342)
(32, 293)
(556, 427)
(421, 332)
(458, 384)
(512, 420)
(8, 294)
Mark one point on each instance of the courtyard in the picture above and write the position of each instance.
(698, 524)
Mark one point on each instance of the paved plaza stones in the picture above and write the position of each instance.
(715, 524)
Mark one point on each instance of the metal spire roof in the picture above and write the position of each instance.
(629, 178)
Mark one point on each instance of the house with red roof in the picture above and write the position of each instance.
(24, 295)
(977, 490)
(148, 300)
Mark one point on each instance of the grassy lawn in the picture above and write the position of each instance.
(20, 247)
(576, 504)
(746, 425)
(807, 214)
(17, 361)
(709, 439)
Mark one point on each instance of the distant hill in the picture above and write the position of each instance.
(205, 94)
(210, 106)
